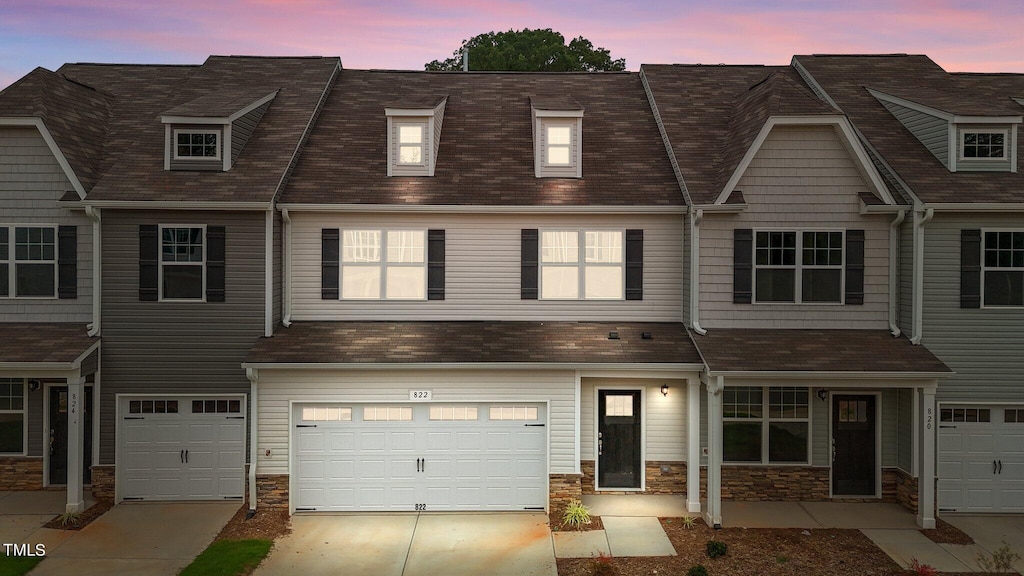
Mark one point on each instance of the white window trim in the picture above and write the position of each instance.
(422, 144)
(985, 269)
(542, 169)
(798, 267)
(174, 145)
(12, 261)
(1007, 148)
(580, 264)
(160, 261)
(24, 419)
(765, 420)
(382, 265)
(571, 146)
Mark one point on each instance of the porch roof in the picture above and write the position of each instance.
(476, 343)
(839, 351)
(45, 344)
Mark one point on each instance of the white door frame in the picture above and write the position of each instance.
(643, 436)
(878, 440)
(46, 429)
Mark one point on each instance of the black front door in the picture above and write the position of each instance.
(618, 438)
(854, 466)
(58, 439)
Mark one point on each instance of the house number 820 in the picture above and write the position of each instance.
(931, 416)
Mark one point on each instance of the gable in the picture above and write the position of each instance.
(30, 176)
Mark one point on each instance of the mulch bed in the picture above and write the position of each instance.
(555, 522)
(95, 511)
(267, 524)
(946, 533)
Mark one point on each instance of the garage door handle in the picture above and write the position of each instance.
(182, 455)
(186, 456)
(994, 467)
(1000, 466)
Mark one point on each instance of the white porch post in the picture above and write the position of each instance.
(76, 442)
(714, 511)
(693, 446)
(926, 478)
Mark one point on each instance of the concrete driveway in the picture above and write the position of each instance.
(136, 538)
(991, 532)
(510, 544)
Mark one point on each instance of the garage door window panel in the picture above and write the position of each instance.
(12, 416)
(326, 414)
(216, 406)
(153, 407)
(967, 415)
(1003, 268)
(513, 413)
(387, 414)
(1013, 416)
(453, 413)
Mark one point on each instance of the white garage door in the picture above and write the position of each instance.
(354, 457)
(981, 459)
(181, 448)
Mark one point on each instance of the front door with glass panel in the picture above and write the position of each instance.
(618, 439)
(58, 439)
(854, 466)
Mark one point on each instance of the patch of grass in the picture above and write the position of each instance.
(17, 565)
(229, 558)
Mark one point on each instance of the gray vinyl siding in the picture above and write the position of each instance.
(242, 129)
(889, 413)
(905, 271)
(35, 422)
(482, 269)
(31, 182)
(436, 136)
(801, 178)
(932, 131)
(983, 346)
(279, 387)
(91, 364)
(905, 429)
(175, 347)
(970, 165)
(277, 270)
(821, 454)
(190, 164)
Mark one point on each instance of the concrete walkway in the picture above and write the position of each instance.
(816, 515)
(413, 545)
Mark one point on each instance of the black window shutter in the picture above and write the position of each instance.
(215, 248)
(67, 262)
(970, 268)
(528, 261)
(435, 264)
(634, 264)
(329, 257)
(149, 255)
(742, 265)
(855, 267)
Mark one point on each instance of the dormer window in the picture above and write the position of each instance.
(559, 145)
(983, 144)
(414, 134)
(197, 145)
(557, 137)
(410, 144)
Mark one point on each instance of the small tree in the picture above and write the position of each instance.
(530, 51)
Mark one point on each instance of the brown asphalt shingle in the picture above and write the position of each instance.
(44, 342)
(757, 350)
(468, 342)
(915, 77)
(485, 156)
(220, 104)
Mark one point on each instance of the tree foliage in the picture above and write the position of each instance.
(530, 51)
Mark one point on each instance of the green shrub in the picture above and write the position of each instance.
(575, 515)
(716, 548)
(698, 570)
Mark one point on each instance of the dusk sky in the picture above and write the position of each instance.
(959, 35)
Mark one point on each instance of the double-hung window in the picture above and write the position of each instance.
(197, 145)
(388, 264)
(410, 144)
(1003, 268)
(798, 266)
(585, 264)
(766, 425)
(12, 416)
(559, 145)
(182, 262)
(983, 144)
(28, 261)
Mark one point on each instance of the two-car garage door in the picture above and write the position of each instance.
(418, 456)
(981, 459)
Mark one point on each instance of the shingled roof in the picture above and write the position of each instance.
(44, 343)
(846, 80)
(486, 154)
(712, 114)
(475, 342)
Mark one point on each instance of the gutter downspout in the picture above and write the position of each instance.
(254, 378)
(921, 217)
(894, 234)
(97, 270)
(268, 273)
(286, 268)
(695, 218)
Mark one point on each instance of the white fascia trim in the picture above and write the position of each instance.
(481, 209)
(722, 208)
(812, 82)
(259, 102)
(819, 375)
(883, 209)
(838, 121)
(557, 113)
(416, 112)
(213, 121)
(48, 138)
(988, 119)
(469, 366)
(912, 105)
(976, 207)
(176, 205)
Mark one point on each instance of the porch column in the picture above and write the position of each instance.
(76, 442)
(693, 446)
(926, 478)
(714, 512)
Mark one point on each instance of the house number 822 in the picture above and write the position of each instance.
(419, 394)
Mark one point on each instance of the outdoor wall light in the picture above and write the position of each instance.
(664, 389)
(34, 385)
(822, 394)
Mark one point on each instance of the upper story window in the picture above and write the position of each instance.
(12, 416)
(388, 264)
(1003, 268)
(559, 145)
(182, 263)
(28, 261)
(557, 136)
(983, 144)
(197, 145)
(581, 264)
(410, 144)
(414, 134)
(798, 266)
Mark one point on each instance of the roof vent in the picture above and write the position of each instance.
(613, 335)
(647, 336)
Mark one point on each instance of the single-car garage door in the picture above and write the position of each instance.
(981, 459)
(181, 448)
(393, 457)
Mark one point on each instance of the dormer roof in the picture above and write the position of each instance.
(224, 105)
(567, 105)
